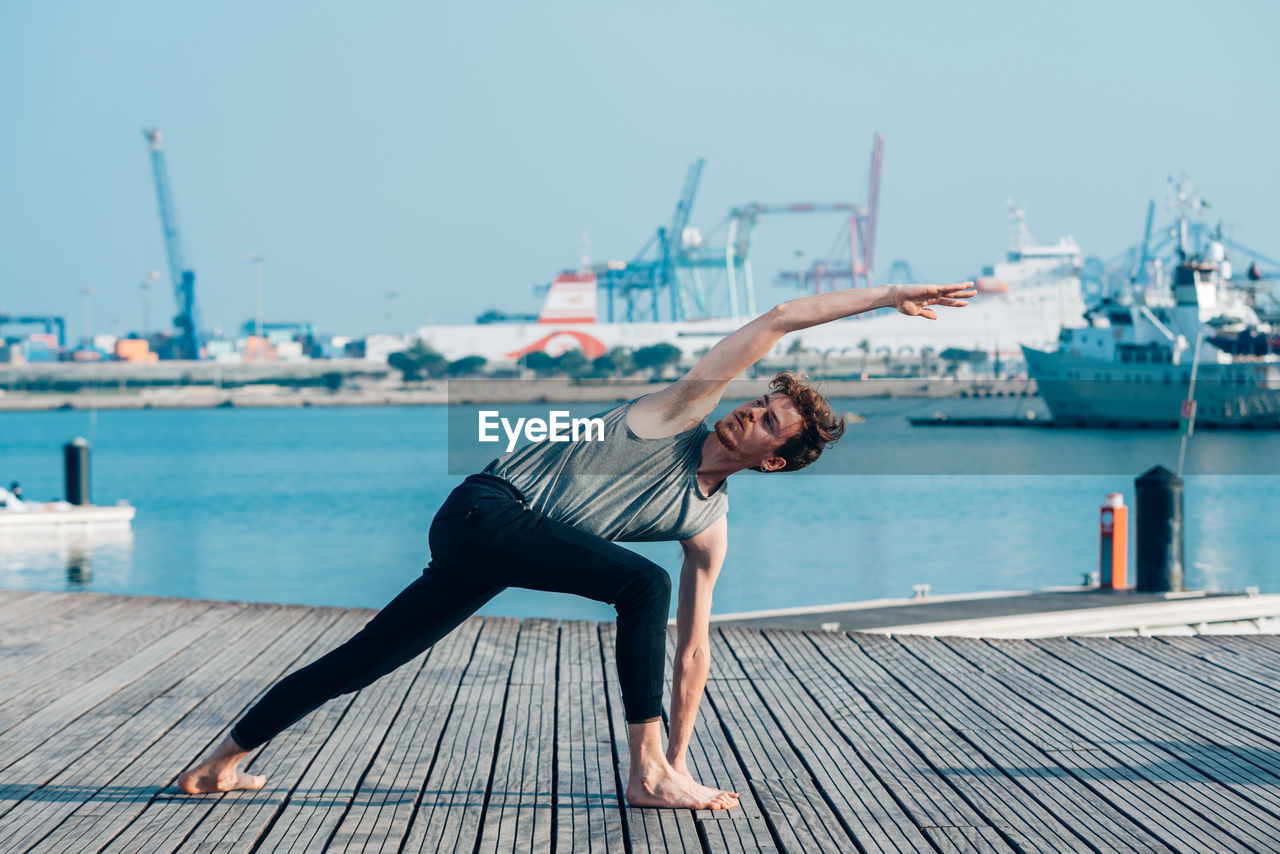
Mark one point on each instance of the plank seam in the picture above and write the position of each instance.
(977, 748)
(555, 744)
(1201, 811)
(209, 744)
(774, 834)
(435, 754)
(497, 742)
(373, 756)
(613, 745)
(813, 778)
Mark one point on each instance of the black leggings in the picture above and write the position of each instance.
(483, 539)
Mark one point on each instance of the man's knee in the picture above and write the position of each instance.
(650, 584)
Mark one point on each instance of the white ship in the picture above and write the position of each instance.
(1132, 363)
(33, 516)
(1024, 300)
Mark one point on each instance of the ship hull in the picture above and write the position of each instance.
(1093, 392)
(991, 324)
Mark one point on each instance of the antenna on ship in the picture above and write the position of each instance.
(1019, 235)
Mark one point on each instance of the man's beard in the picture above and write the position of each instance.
(724, 432)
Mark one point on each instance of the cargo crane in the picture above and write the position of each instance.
(849, 262)
(53, 325)
(710, 275)
(654, 267)
(186, 323)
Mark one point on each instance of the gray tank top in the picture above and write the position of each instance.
(622, 488)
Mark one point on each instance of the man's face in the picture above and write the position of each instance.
(757, 429)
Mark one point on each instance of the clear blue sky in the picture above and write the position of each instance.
(454, 155)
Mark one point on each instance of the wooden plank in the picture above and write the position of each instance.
(1042, 811)
(1000, 699)
(965, 839)
(87, 753)
(947, 757)
(384, 804)
(521, 807)
(128, 660)
(647, 829)
(1178, 803)
(776, 775)
(1227, 652)
(40, 610)
(43, 629)
(1226, 693)
(589, 815)
(47, 648)
(303, 817)
(211, 696)
(33, 607)
(1265, 648)
(451, 805)
(11, 602)
(712, 761)
(31, 691)
(169, 817)
(828, 723)
(1170, 715)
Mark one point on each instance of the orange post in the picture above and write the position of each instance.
(1113, 553)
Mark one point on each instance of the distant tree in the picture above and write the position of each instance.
(332, 380)
(656, 357)
(572, 362)
(466, 366)
(977, 358)
(419, 361)
(616, 361)
(538, 362)
(953, 356)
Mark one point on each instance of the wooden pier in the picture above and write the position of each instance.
(508, 736)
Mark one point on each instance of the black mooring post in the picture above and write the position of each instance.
(75, 459)
(1159, 531)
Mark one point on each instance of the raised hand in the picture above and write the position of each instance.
(914, 300)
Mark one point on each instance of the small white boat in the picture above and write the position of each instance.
(57, 513)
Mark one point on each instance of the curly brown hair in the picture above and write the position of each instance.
(820, 429)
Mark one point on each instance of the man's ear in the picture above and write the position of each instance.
(773, 464)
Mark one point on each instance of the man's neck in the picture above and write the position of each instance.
(714, 465)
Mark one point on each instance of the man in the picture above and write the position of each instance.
(546, 516)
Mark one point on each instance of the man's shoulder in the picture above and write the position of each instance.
(667, 412)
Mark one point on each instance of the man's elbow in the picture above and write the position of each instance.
(780, 317)
(695, 657)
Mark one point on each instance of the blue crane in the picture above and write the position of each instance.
(656, 264)
(186, 325)
(53, 325)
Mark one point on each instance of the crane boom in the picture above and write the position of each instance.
(184, 280)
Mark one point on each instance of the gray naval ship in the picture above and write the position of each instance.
(1133, 362)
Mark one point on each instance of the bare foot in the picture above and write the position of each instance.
(704, 791)
(663, 787)
(205, 778)
(219, 772)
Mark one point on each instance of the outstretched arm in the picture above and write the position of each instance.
(689, 400)
(703, 557)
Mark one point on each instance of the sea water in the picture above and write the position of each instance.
(331, 506)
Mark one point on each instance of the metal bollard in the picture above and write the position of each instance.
(1159, 531)
(1113, 551)
(75, 459)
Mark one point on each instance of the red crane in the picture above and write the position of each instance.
(857, 239)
